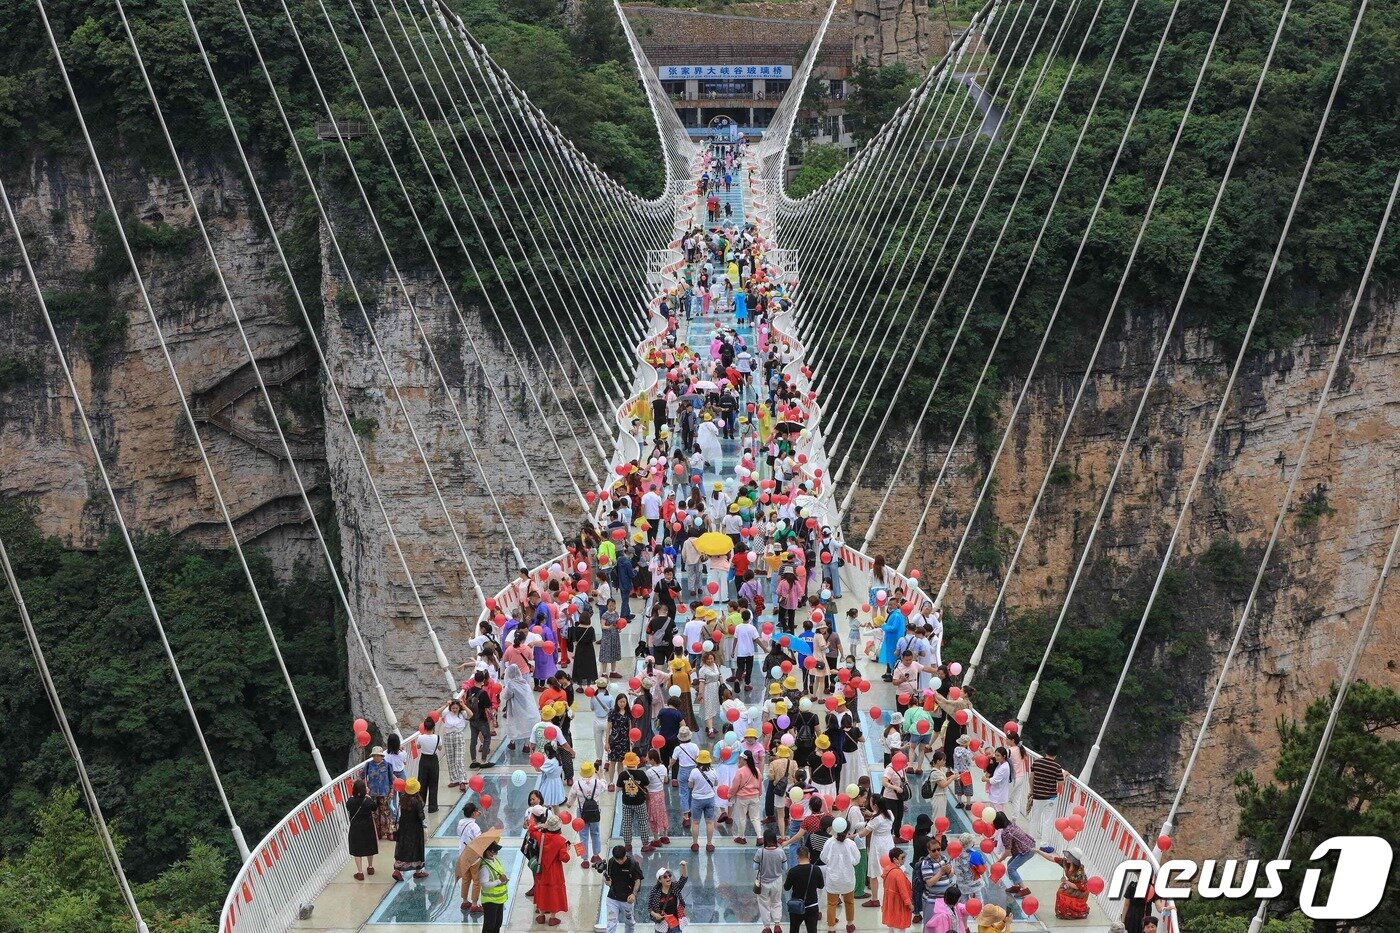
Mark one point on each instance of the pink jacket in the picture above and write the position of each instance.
(745, 785)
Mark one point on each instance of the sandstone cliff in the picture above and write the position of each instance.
(895, 31)
(1303, 628)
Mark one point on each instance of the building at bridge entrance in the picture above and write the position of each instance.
(718, 68)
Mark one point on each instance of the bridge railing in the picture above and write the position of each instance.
(1108, 839)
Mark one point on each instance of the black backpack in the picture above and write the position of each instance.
(590, 812)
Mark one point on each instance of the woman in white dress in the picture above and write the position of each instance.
(879, 835)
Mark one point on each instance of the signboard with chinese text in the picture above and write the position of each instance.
(706, 72)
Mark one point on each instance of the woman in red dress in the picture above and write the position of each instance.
(551, 897)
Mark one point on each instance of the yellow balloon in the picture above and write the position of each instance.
(853, 790)
(989, 813)
(795, 794)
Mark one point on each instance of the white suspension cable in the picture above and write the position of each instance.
(94, 806)
(1049, 213)
(1138, 239)
(1285, 505)
(1156, 364)
(234, 828)
(1208, 445)
(957, 262)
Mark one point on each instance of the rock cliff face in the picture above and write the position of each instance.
(126, 387)
(1331, 550)
(890, 31)
(150, 453)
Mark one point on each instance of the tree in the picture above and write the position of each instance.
(818, 164)
(61, 882)
(597, 36)
(878, 92)
(1357, 792)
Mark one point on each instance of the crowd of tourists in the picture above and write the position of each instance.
(695, 627)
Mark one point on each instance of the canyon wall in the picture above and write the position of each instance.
(1312, 602)
(150, 453)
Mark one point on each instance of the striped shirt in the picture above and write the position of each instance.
(1045, 778)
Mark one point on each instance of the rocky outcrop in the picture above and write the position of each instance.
(1313, 600)
(123, 379)
(893, 31)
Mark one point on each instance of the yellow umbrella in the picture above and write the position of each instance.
(713, 544)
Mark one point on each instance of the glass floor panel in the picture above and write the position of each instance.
(438, 897)
(720, 889)
(507, 811)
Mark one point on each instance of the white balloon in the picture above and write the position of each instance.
(935, 682)
(805, 705)
(708, 645)
(674, 692)
(839, 825)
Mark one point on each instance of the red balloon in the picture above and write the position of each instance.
(1078, 810)
(1069, 834)
(634, 734)
(590, 495)
(732, 715)
(786, 665)
(954, 848)
(974, 744)
(637, 711)
(537, 759)
(831, 704)
(941, 824)
(695, 647)
(796, 812)
(400, 784)
(903, 699)
(362, 739)
(907, 608)
(658, 741)
(547, 647)
(900, 761)
(1076, 822)
(843, 802)
(726, 753)
(874, 712)
(973, 906)
(485, 800)
(998, 870)
(1029, 905)
(810, 662)
(635, 683)
(360, 726)
(550, 733)
(1061, 824)
(829, 759)
(619, 534)
(989, 846)
(1164, 843)
(980, 827)
(962, 717)
(491, 603)
(476, 783)
(826, 557)
(955, 693)
(923, 727)
(590, 691)
(980, 760)
(844, 675)
(621, 624)
(713, 587)
(865, 686)
(1011, 728)
(906, 832)
(1095, 885)
(767, 728)
(913, 574)
(723, 791)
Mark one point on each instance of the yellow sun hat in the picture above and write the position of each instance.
(413, 786)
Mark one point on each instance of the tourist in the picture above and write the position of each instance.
(658, 820)
(682, 764)
(582, 641)
(467, 830)
(585, 795)
(803, 885)
(379, 779)
(551, 895)
(947, 914)
(897, 909)
(479, 708)
(1017, 848)
(610, 643)
(744, 791)
(782, 772)
(633, 782)
(518, 708)
(452, 727)
(363, 841)
(704, 786)
(709, 677)
(550, 782)
(428, 762)
(993, 919)
(1072, 896)
(624, 879)
(1020, 760)
(999, 780)
(839, 857)
(666, 905)
(879, 835)
(410, 843)
(492, 881)
(619, 727)
(770, 865)
(1046, 775)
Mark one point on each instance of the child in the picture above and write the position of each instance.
(962, 767)
(852, 627)
(894, 741)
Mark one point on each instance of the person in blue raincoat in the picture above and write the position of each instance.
(894, 631)
(624, 581)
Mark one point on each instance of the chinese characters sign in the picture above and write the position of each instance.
(682, 72)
